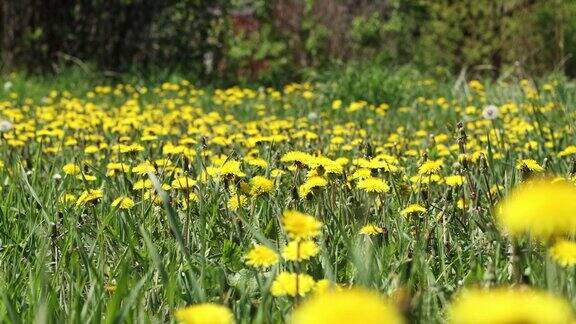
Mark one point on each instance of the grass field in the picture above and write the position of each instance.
(128, 202)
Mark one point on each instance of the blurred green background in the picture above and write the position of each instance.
(281, 40)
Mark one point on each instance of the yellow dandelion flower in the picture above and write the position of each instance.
(132, 148)
(300, 226)
(260, 185)
(291, 284)
(261, 256)
(361, 174)
(260, 163)
(430, 167)
(71, 169)
(378, 164)
(371, 230)
(231, 168)
(564, 253)
(142, 184)
(163, 163)
(568, 151)
(151, 195)
(420, 179)
(461, 204)
(529, 165)
(90, 195)
(86, 177)
(236, 202)
(355, 305)
(336, 104)
(91, 149)
(185, 201)
(276, 173)
(184, 182)
(476, 85)
(144, 168)
(114, 167)
(67, 198)
(325, 165)
(300, 250)
(373, 185)
(454, 180)
(312, 183)
(509, 306)
(297, 157)
(413, 209)
(206, 313)
(342, 161)
(123, 203)
(540, 208)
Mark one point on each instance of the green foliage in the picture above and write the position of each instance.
(256, 54)
(367, 30)
(497, 36)
(273, 41)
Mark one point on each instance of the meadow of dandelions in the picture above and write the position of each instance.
(171, 203)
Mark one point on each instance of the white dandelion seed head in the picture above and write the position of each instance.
(490, 112)
(5, 126)
(312, 116)
(8, 85)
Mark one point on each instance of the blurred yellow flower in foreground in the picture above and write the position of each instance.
(346, 306)
(207, 313)
(509, 306)
(541, 208)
